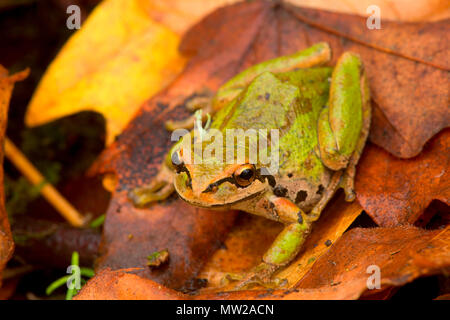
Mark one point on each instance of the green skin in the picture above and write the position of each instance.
(323, 127)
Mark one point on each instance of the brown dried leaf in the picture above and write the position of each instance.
(402, 254)
(395, 191)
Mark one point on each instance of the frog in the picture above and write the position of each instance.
(322, 116)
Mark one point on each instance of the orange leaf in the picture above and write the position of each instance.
(395, 191)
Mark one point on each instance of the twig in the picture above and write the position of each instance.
(48, 191)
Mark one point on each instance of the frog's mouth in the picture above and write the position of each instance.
(224, 196)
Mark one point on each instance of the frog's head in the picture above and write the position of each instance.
(216, 184)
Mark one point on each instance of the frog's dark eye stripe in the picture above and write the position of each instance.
(242, 178)
(214, 185)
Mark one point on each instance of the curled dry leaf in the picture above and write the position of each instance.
(401, 253)
(396, 191)
(6, 87)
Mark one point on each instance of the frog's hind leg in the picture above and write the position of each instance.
(348, 180)
(343, 125)
(328, 193)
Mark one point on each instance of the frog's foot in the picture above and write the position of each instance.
(202, 102)
(260, 275)
(159, 188)
(329, 192)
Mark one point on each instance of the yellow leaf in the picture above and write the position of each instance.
(118, 59)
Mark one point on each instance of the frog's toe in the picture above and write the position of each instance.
(253, 279)
(350, 195)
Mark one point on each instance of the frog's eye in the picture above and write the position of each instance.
(245, 175)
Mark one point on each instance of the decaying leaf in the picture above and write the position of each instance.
(134, 58)
(6, 87)
(401, 253)
(396, 191)
(124, 285)
(130, 235)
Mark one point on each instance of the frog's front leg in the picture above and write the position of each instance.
(343, 125)
(283, 250)
(159, 188)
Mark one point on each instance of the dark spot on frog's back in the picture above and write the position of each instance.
(270, 179)
(267, 96)
(301, 196)
(280, 191)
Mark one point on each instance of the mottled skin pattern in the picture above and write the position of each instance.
(323, 117)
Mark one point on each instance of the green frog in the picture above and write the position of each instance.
(318, 118)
